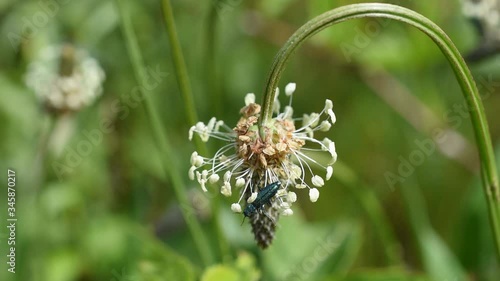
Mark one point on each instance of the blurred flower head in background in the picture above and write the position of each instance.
(65, 78)
(486, 15)
(277, 151)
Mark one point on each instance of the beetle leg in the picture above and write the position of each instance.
(269, 217)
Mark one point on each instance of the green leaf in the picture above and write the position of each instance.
(438, 260)
(323, 248)
(246, 264)
(379, 275)
(220, 273)
(120, 250)
(159, 262)
(101, 22)
(243, 269)
(62, 265)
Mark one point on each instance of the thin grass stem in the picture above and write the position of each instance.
(188, 100)
(199, 238)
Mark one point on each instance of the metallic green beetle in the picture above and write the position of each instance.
(263, 197)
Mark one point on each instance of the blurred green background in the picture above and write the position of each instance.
(115, 215)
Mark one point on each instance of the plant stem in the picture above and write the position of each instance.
(187, 96)
(132, 45)
(179, 63)
(216, 96)
(462, 73)
(212, 74)
(42, 153)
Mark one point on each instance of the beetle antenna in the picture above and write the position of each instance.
(243, 220)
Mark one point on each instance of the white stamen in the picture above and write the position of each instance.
(204, 175)
(217, 125)
(292, 196)
(310, 120)
(213, 178)
(227, 176)
(317, 181)
(235, 207)
(191, 172)
(196, 160)
(328, 104)
(226, 189)
(281, 192)
(332, 116)
(288, 112)
(333, 152)
(313, 194)
(276, 106)
(202, 184)
(325, 126)
(252, 198)
(191, 131)
(290, 88)
(326, 144)
(310, 132)
(211, 124)
(194, 155)
(287, 212)
(240, 182)
(295, 172)
(334, 157)
(329, 172)
(223, 159)
(249, 98)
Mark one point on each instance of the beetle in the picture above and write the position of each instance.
(263, 197)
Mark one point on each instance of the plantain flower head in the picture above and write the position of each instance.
(286, 153)
(65, 79)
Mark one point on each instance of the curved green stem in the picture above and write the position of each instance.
(464, 77)
(200, 240)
